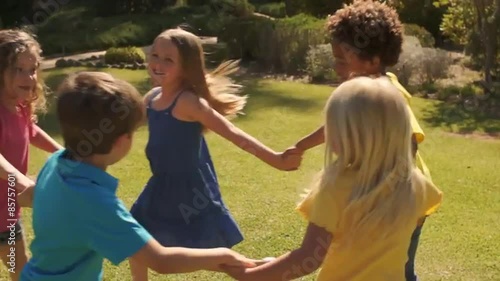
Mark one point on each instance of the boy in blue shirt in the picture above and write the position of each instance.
(77, 218)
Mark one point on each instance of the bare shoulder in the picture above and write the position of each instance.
(147, 97)
(189, 100)
(190, 107)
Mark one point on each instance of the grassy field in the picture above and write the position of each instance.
(458, 243)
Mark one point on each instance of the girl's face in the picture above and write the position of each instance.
(347, 63)
(165, 66)
(20, 80)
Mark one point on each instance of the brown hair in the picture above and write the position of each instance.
(215, 87)
(12, 43)
(370, 28)
(94, 109)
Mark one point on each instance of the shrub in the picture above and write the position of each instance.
(124, 55)
(237, 8)
(275, 10)
(424, 36)
(408, 62)
(434, 64)
(319, 62)
(278, 45)
(61, 63)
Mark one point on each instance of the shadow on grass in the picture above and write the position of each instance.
(462, 119)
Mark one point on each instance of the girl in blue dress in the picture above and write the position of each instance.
(181, 205)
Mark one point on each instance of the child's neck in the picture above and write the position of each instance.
(93, 160)
(171, 89)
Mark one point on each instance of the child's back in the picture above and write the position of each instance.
(369, 257)
(76, 219)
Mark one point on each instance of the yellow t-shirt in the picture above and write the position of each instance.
(417, 130)
(365, 260)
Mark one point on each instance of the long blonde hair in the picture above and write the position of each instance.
(367, 123)
(216, 87)
(12, 43)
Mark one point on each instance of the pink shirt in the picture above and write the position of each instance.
(15, 133)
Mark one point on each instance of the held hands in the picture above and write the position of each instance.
(227, 258)
(241, 274)
(290, 159)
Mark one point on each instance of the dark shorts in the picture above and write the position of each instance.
(13, 235)
(412, 252)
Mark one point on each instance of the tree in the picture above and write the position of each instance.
(466, 17)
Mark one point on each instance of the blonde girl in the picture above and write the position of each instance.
(181, 204)
(21, 98)
(368, 200)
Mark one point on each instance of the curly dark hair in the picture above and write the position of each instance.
(370, 28)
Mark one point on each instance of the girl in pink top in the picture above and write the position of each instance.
(21, 96)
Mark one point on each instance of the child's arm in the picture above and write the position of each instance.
(114, 234)
(291, 265)
(183, 260)
(199, 110)
(312, 140)
(43, 141)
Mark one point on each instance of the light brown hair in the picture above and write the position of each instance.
(94, 109)
(215, 87)
(12, 43)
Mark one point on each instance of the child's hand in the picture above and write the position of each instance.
(25, 197)
(232, 259)
(238, 273)
(294, 150)
(289, 160)
(25, 188)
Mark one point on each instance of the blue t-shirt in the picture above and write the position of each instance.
(78, 221)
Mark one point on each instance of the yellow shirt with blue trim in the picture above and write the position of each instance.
(365, 260)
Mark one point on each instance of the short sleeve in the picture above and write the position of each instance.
(417, 130)
(319, 207)
(113, 232)
(430, 196)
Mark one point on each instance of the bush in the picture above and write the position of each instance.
(275, 10)
(424, 36)
(420, 65)
(319, 62)
(278, 45)
(434, 64)
(408, 62)
(237, 8)
(124, 55)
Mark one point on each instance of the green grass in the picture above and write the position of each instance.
(457, 243)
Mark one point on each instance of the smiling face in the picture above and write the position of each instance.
(20, 78)
(165, 65)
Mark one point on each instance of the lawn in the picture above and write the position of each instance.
(458, 243)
